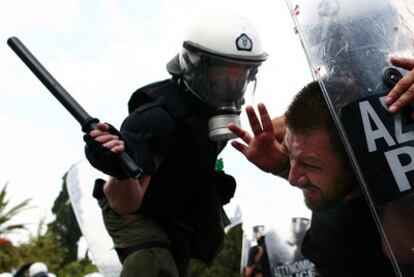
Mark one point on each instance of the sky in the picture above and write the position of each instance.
(102, 51)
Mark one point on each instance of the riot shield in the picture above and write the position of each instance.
(274, 249)
(348, 44)
(80, 181)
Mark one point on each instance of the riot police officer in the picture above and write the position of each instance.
(175, 130)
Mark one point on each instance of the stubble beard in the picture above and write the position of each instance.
(324, 201)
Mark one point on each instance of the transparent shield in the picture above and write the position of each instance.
(80, 181)
(348, 44)
(274, 249)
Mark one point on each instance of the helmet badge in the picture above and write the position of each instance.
(244, 43)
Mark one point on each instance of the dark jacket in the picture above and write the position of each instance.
(344, 241)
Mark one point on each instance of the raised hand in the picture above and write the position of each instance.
(262, 149)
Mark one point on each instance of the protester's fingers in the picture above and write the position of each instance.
(240, 133)
(405, 63)
(264, 116)
(239, 146)
(254, 121)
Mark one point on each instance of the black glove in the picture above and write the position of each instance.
(103, 158)
(226, 186)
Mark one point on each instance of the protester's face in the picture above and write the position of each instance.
(317, 169)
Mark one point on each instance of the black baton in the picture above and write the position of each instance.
(87, 122)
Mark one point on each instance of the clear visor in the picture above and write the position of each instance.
(218, 81)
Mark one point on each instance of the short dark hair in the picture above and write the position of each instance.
(309, 111)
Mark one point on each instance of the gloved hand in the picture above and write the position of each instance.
(102, 158)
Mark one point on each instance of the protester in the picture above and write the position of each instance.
(343, 239)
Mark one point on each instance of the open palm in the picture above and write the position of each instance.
(261, 149)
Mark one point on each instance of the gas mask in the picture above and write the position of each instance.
(221, 83)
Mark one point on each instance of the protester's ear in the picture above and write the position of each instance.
(279, 127)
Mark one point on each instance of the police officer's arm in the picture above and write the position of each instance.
(265, 148)
(148, 133)
(403, 92)
(124, 194)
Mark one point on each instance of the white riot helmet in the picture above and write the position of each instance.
(259, 231)
(220, 58)
(38, 270)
